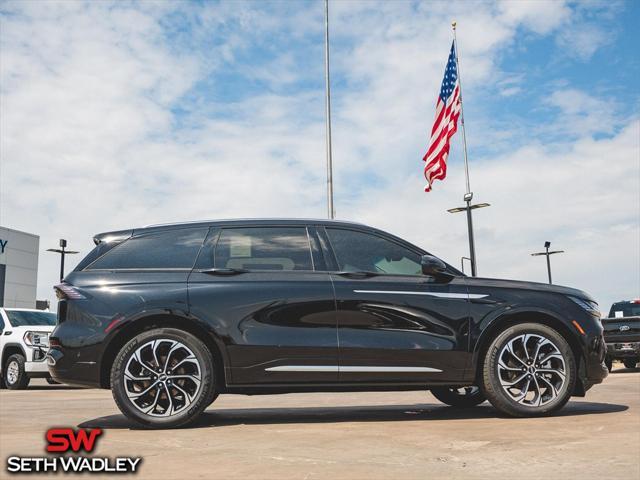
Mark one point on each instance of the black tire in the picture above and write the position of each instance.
(502, 398)
(609, 363)
(12, 379)
(202, 395)
(630, 362)
(51, 381)
(464, 397)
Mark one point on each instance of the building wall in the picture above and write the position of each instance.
(19, 260)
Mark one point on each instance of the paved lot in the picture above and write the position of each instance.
(356, 436)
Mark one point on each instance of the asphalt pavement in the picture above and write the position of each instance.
(389, 435)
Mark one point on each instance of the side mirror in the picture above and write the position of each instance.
(434, 267)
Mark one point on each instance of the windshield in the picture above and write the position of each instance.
(626, 309)
(25, 318)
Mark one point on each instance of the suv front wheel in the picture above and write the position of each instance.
(529, 370)
(15, 376)
(163, 378)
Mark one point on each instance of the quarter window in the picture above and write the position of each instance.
(363, 252)
(168, 249)
(268, 248)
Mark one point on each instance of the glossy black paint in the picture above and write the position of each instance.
(257, 320)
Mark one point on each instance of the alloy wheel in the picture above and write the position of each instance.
(13, 371)
(531, 370)
(162, 377)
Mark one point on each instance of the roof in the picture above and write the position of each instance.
(258, 221)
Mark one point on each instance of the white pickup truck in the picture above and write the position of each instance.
(24, 341)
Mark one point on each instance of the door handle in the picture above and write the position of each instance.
(224, 271)
(357, 274)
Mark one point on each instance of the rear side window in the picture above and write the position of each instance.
(168, 249)
(270, 248)
(363, 252)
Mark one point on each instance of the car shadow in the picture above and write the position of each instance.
(625, 370)
(44, 387)
(54, 387)
(369, 413)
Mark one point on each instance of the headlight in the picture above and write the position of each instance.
(37, 339)
(588, 305)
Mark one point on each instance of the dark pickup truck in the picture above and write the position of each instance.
(622, 333)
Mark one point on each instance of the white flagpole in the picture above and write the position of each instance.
(468, 196)
(464, 133)
(330, 209)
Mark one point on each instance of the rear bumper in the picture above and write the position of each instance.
(64, 368)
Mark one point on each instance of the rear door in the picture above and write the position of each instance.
(395, 324)
(258, 287)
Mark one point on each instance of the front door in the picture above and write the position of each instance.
(395, 324)
(272, 309)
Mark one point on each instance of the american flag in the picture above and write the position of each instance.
(448, 108)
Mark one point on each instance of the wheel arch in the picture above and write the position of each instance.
(11, 349)
(544, 317)
(141, 324)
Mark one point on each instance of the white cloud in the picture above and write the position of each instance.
(89, 140)
(583, 40)
(541, 16)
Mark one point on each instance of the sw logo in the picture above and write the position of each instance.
(66, 441)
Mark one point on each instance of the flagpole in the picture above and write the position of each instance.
(464, 133)
(468, 196)
(330, 209)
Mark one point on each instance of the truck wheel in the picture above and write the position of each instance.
(51, 381)
(608, 361)
(14, 375)
(630, 362)
(529, 370)
(163, 378)
(461, 397)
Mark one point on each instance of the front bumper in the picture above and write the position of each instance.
(36, 365)
(623, 349)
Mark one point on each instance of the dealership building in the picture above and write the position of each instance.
(18, 268)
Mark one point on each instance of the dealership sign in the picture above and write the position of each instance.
(64, 441)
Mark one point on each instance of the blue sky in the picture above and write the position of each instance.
(161, 111)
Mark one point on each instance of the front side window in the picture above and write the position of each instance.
(363, 252)
(168, 249)
(269, 248)
(26, 318)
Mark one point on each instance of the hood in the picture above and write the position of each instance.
(32, 328)
(524, 285)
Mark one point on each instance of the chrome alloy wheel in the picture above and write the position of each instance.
(532, 370)
(13, 371)
(162, 377)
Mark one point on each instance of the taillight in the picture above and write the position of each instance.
(64, 290)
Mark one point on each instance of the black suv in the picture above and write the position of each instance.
(170, 316)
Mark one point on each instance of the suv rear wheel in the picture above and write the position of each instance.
(461, 397)
(529, 370)
(163, 378)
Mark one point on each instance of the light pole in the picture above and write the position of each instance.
(547, 253)
(472, 246)
(62, 251)
(327, 103)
